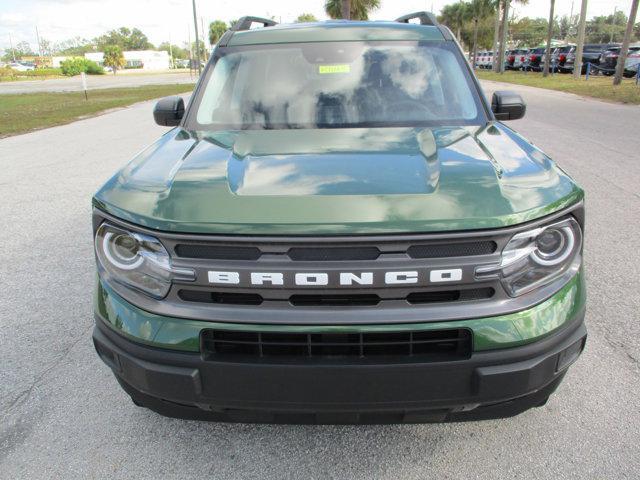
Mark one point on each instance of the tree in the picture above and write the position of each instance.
(454, 16)
(200, 45)
(498, 57)
(547, 55)
(479, 10)
(113, 57)
(125, 38)
(577, 65)
(496, 34)
(216, 30)
(306, 17)
(175, 50)
(504, 34)
(359, 9)
(529, 32)
(22, 49)
(604, 29)
(76, 46)
(622, 58)
(567, 26)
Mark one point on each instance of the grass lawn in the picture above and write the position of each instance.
(597, 86)
(22, 113)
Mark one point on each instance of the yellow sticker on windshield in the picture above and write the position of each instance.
(322, 69)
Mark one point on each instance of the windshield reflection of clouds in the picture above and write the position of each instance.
(382, 84)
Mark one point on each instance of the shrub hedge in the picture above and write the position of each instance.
(75, 66)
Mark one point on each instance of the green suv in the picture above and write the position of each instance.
(339, 229)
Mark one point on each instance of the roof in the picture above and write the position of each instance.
(336, 31)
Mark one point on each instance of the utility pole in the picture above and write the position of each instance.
(547, 53)
(173, 64)
(566, 36)
(204, 40)
(613, 24)
(13, 52)
(195, 24)
(577, 65)
(39, 44)
(622, 58)
(190, 50)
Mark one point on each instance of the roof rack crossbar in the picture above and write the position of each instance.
(245, 23)
(426, 18)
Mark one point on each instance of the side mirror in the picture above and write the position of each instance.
(169, 111)
(507, 105)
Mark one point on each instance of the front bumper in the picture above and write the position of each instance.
(491, 384)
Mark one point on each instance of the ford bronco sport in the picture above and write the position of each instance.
(339, 229)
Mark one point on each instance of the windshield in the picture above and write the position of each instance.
(333, 85)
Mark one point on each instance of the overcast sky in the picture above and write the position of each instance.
(162, 20)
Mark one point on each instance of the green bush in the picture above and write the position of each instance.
(8, 74)
(41, 72)
(75, 66)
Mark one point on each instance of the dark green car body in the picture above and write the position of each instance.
(315, 186)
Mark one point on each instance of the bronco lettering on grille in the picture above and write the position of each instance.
(341, 278)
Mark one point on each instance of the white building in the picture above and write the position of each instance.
(144, 59)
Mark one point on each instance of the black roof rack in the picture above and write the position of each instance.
(426, 18)
(245, 23)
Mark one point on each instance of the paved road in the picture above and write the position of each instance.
(74, 84)
(63, 416)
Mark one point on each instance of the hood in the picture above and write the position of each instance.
(337, 181)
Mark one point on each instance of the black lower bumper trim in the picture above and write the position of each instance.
(491, 384)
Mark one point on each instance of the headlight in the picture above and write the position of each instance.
(536, 257)
(137, 261)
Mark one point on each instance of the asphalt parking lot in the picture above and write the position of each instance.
(63, 415)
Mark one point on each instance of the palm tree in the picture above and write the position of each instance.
(478, 10)
(496, 33)
(625, 43)
(547, 54)
(454, 16)
(504, 32)
(351, 9)
(216, 30)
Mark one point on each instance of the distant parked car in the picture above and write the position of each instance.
(510, 58)
(560, 57)
(592, 53)
(633, 62)
(533, 59)
(22, 66)
(609, 59)
(479, 58)
(520, 58)
(543, 58)
(486, 60)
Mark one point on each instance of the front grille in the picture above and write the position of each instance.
(217, 252)
(470, 294)
(333, 254)
(228, 298)
(321, 253)
(404, 346)
(353, 300)
(337, 300)
(443, 250)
